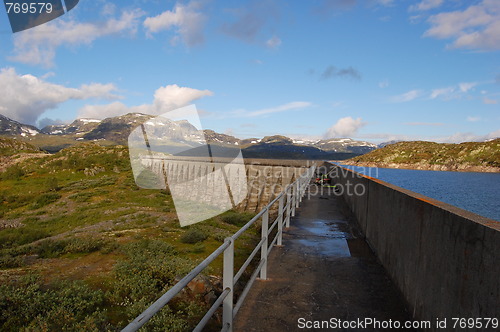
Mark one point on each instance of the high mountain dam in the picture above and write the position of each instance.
(378, 254)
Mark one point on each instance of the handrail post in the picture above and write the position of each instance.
(227, 282)
(280, 221)
(263, 249)
(301, 189)
(305, 183)
(288, 206)
(297, 194)
(294, 198)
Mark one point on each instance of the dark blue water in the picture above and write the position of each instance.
(472, 191)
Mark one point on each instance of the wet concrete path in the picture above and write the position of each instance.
(324, 271)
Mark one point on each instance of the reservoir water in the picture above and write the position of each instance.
(472, 191)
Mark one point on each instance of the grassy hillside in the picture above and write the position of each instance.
(14, 151)
(83, 248)
(10, 147)
(469, 156)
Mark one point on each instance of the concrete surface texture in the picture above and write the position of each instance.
(445, 260)
(265, 179)
(324, 271)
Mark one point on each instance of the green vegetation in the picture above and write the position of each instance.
(236, 218)
(10, 147)
(44, 199)
(89, 250)
(14, 172)
(429, 155)
(193, 235)
(62, 306)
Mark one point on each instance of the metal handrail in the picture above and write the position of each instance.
(248, 261)
(293, 194)
(146, 315)
(212, 310)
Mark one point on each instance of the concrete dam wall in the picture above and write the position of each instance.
(445, 260)
(265, 182)
(265, 178)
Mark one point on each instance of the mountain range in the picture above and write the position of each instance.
(116, 130)
(9, 127)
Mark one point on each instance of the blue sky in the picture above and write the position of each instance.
(373, 70)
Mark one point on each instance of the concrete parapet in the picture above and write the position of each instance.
(265, 178)
(445, 260)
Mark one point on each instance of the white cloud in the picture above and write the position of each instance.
(166, 98)
(282, 108)
(453, 92)
(243, 113)
(187, 19)
(477, 27)
(443, 92)
(473, 118)
(447, 93)
(273, 43)
(426, 5)
(466, 86)
(468, 137)
(345, 127)
(173, 96)
(37, 46)
(407, 96)
(25, 97)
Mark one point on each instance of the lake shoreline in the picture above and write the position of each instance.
(426, 166)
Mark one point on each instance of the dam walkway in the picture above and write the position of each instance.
(324, 271)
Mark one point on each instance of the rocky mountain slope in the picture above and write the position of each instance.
(78, 127)
(14, 151)
(116, 130)
(9, 147)
(9, 127)
(468, 156)
(346, 145)
(282, 147)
